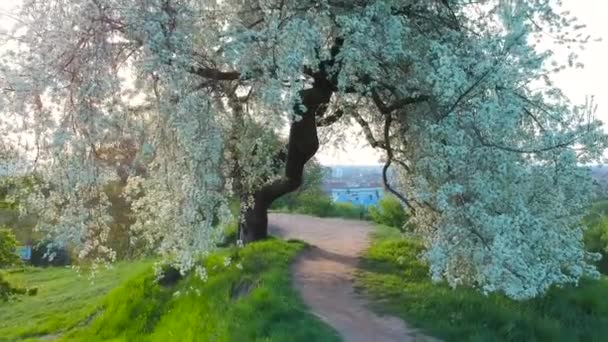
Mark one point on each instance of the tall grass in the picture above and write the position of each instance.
(393, 275)
(249, 300)
(64, 299)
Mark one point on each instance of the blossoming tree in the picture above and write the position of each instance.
(454, 92)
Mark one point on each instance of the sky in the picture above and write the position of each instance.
(578, 84)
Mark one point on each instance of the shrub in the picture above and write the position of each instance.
(317, 203)
(231, 231)
(389, 212)
(314, 203)
(7, 291)
(40, 252)
(312, 183)
(8, 246)
(349, 210)
(8, 258)
(120, 237)
(11, 191)
(596, 240)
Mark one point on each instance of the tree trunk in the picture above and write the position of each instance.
(302, 146)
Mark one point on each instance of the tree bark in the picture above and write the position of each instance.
(302, 145)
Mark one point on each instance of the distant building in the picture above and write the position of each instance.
(337, 172)
(357, 196)
(25, 252)
(356, 184)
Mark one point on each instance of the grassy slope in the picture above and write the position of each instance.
(402, 287)
(253, 303)
(64, 299)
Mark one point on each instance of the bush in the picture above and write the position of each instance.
(8, 246)
(389, 212)
(596, 240)
(7, 291)
(317, 203)
(596, 235)
(350, 211)
(231, 231)
(314, 203)
(312, 184)
(8, 258)
(61, 255)
(11, 191)
(120, 237)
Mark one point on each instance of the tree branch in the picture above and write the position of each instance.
(486, 143)
(529, 113)
(389, 159)
(467, 92)
(369, 135)
(215, 74)
(387, 109)
(330, 119)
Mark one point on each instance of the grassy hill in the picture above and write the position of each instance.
(65, 299)
(249, 298)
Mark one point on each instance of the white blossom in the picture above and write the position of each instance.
(490, 161)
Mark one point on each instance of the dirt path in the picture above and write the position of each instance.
(323, 276)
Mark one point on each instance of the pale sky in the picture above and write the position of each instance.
(577, 84)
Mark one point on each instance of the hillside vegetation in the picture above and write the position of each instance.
(393, 275)
(596, 236)
(65, 299)
(245, 296)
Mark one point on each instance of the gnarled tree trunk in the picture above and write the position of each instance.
(302, 145)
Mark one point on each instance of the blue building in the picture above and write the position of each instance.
(25, 252)
(357, 196)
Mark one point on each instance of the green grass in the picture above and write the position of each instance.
(250, 302)
(399, 282)
(64, 299)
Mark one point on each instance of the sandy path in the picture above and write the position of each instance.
(323, 276)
